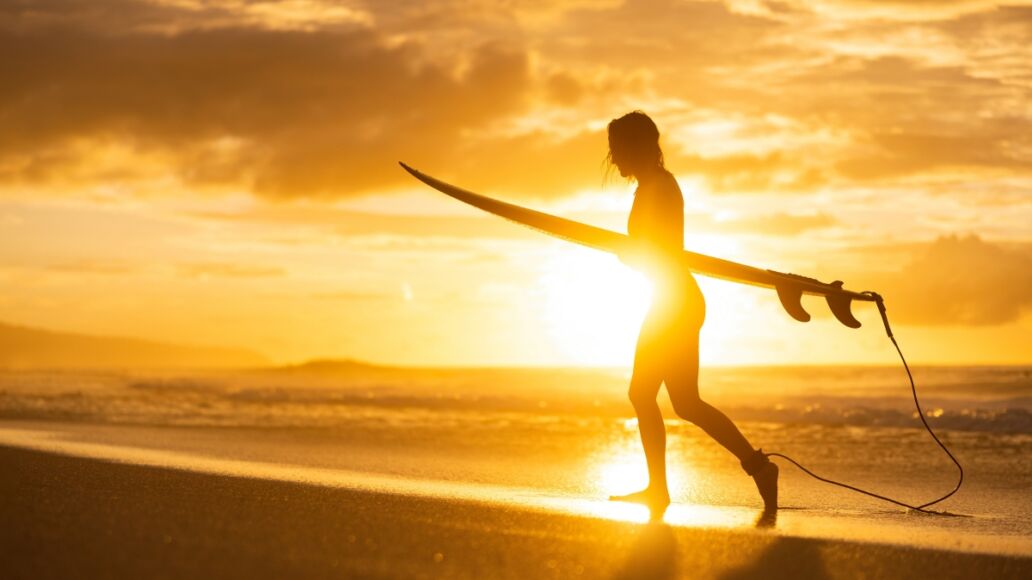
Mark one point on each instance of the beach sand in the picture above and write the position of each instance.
(73, 517)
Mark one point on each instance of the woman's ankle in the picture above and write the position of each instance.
(755, 462)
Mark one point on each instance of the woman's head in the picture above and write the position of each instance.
(634, 144)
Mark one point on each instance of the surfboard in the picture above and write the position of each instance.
(789, 287)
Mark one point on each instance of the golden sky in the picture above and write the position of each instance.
(225, 173)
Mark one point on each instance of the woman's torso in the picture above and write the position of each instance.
(657, 220)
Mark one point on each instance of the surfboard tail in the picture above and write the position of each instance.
(840, 305)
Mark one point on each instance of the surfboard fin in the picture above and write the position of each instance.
(792, 301)
(839, 304)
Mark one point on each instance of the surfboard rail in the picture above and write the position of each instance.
(790, 287)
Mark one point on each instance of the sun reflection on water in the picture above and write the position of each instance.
(621, 469)
(678, 514)
(609, 510)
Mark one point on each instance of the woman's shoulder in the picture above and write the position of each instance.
(663, 187)
(670, 182)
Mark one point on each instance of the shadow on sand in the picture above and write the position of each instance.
(785, 558)
(653, 555)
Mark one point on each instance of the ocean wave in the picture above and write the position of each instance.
(995, 420)
(793, 396)
(279, 410)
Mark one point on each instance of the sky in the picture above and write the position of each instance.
(225, 173)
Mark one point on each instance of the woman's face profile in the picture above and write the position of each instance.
(619, 157)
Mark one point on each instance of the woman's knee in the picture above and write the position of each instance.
(688, 408)
(642, 393)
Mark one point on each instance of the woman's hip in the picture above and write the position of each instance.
(687, 308)
(665, 332)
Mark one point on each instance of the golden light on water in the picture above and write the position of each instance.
(704, 516)
(680, 514)
(621, 468)
(610, 510)
(624, 473)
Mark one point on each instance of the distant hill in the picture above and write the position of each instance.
(332, 367)
(324, 364)
(23, 348)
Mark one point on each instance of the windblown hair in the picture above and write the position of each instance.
(636, 134)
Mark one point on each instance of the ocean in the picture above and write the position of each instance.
(970, 399)
(569, 432)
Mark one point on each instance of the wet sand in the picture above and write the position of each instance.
(66, 517)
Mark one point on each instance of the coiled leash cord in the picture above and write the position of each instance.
(920, 413)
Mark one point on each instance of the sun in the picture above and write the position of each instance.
(593, 305)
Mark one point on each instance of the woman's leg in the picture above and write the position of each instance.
(682, 381)
(645, 382)
(645, 385)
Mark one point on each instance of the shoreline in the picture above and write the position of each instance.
(149, 448)
(70, 516)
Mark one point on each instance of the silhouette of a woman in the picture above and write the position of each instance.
(668, 344)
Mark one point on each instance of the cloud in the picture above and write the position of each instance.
(283, 112)
(649, 31)
(991, 146)
(903, 10)
(778, 224)
(961, 280)
(349, 296)
(174, 16)
(346, 223)
(89, 266)
(309, 98)
(228, 270)
(745, 173)
(894, 119)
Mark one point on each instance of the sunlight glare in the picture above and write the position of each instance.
(623, 474)
(610, 510)
(621, 469)
(593, 305)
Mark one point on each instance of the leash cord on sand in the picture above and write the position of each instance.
(920, 413)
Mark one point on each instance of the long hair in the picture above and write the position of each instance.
(637, 135)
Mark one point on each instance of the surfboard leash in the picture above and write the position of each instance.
(920, 413)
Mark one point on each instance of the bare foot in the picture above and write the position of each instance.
(767, 482)
(767, 519)
(654, 499)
